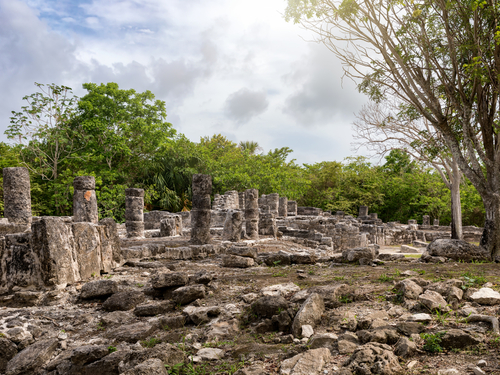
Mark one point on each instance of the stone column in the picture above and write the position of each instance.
(17, 195)
(273, 201)
(436, 222)
(374, 216)
(426, 220)
(233, 226)
(262, 201)
(292, 208)
(412, 222)
(171, 226)
(200, 214)
(252, 213)
(84, 200)
(134, 212)
(241, 199)
(363, 211)
(283, 207)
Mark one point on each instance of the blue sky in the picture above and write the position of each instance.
(222, 66)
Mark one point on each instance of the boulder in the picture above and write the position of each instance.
(374, 358)
(354, 255)
(200, 315)
(131, 332)
(409, 288)
(405, 348)
(153, 366)
(31, 359)
(310, 313)
(268, 306)
(323, 340)
(189, 293)
(433, 301)
(123, 301)
(243, 251)
(457, 250)
(7, 351)
(234, 261)
(308, 363)
(457, 339)
(280, 290)
(98, 289)
(88, 354)
(486, 296)
(166, 280)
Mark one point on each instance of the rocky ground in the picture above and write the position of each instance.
(260, 312)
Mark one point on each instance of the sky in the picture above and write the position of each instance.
(233, 67)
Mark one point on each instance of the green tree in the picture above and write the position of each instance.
(441, 57)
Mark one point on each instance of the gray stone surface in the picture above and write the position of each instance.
(374, 358)
(309, 313)
(283, 207)
(31, 359)
(433, 301)
(486, 296)
(98, 289)
(268, 306)
(54, 246)
(123, 301)
(17, 195)
(111, 253)
(7, 351)
(134, 212)
(165, 280)
(87, 248)
(189, 293)
(153, 366)
(84, 200)
(457, 250)
(234, 261)
(308, 363)
(252, 213)
(233, 226)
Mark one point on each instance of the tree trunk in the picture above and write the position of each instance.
(490, 239)
(456, 213)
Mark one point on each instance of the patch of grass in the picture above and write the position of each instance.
(280, 274)
(151, 343)
(100, 326)
(111, 349)
(384, 278)
(420, 272)
(441, 317)
(108, 277)
(413, 255)
(338, 278)
(345, 299)
(495, 342)
(471, 280)
(432, 342)
(139, 285)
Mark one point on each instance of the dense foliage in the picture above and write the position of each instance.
(121, 138)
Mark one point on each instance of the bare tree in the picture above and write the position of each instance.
(441, 57)
(382, 127)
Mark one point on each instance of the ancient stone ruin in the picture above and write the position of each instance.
(82, 295)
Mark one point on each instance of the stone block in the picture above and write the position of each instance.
(19, 265)
(202, 184)
(84, 200)
(110, 245)
(54, 246)
(234, 261)
(17, 195)
(87, 244)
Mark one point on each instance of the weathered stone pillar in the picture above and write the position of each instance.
(436, 222)
(84, 200)
(283, 207)
(200, 214)
(171, 226)
(292, 208)
(267, 224)
(252, 213)
(374, 216)
(363, 211)
(241, 199)
(426, 220)
(17, 195)
(233, 226)
(273, 201)
(412, 222)
(134, 212)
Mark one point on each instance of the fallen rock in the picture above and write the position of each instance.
(132, 332)
(153, 366)
(7, 351)
(409, 288)
(210, 354)
(200, 315)
(456, 250)
(99, 289)
(153, 309)
(31, 359)
(123, 301)
(405, 348)
(165, 280)
(243, 251)
(433, 301)
(457, 339)
(235, 261)
(88, 354)
(486, 296)
(374, 358)
(310, 313)
(268, 306)
(354, 255)
(280, 290)
(188, 294)
(308, 363)
(323, 340)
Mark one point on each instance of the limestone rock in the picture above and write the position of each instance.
(210, 354)
(132, 332)
(323, 340)
(354, 255)
(29, 360)
(189, 293)
(123, 301)
(308, 363)
(420, 318)
(280, 290)
(153, 309)
(405, 348)
(433, 301)
(374, 358)
(268, 306)
(99, 288)
(243, 251)
(87, 249)
(234, 261)
(153, 366)
(165, 280)
(457, 250)
(409, 288)
(457, 339)
(87, 354)
(7, 351)
(200, 315)
(310, 313)
(486, 296)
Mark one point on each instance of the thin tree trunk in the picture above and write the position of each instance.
(456, 204)
(490, 239)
